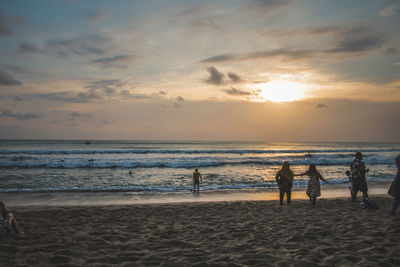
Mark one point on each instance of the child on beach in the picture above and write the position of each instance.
(197, 179)
(284, 179)
(8, 224)
(313, 186)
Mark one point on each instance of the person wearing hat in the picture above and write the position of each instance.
(358, 180)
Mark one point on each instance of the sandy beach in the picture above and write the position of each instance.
(335, 232)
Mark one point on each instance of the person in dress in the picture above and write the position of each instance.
(284, 179)
(358, 180)
(394, 190)
(8, 223)
(197, 179)
(313, 186)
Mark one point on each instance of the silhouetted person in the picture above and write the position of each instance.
(394, 190)
(313, 186)
(284, 178)
(197, 179)
(8, 223)
(357, 176)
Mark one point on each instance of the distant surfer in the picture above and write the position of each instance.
(197, 179)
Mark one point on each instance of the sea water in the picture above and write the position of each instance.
(158, 167)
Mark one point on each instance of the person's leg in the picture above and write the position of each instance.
(354, 196)
(281, 195)
(314, 199)
(14, 225)
(198, 187)
(365, 194)
(395, 204)
(289, 196)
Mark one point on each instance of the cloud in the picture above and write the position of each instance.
(86, 44)
(390, 11)
(75, 114)
(179, 102)
(18, 115)
(358, 39)
(96, 15)
(352, 40)
(216, 77)
(113, 62)
(28, 48)
(289, 54)
(7, 79)
(234, 77)
(106, 89)
(390, 51)
(319, 106)
(162, 93)
(238, 92)
(65, 96)
(19, 69)
(265, 6)
(6, 22)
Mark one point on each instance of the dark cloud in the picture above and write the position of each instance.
(319, 106)
(265, 6)
(28, 48)
(179, 102)
(65, 96)
(162, 93)
(390, 51)
(75, 114)
(352, 41)
(96, 15)
(216, 77)
(238, 92)
(119, 61)
(7, 79)
(87, 44)
(19, 69)
(106, 89)
(390, 10)
(358, 40)
(234, 77)
(6, 22)
(18, 115)
(289, 54)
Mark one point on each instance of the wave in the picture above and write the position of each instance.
(188, 151)
(190, 163)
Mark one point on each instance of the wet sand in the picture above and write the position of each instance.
(335, 232)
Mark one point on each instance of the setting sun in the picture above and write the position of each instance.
(281, 90)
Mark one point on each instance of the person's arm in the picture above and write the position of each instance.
(322, 178)
(277, 177)
(201, 178)
(193, 178)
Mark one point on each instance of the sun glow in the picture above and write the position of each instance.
(281, 90)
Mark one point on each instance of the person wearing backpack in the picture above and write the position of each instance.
(394, 189)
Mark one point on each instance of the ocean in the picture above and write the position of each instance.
(157, 167)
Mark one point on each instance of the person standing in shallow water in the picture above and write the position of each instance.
(357, 174)
(313, 186)
(197, 179)
(284, 179)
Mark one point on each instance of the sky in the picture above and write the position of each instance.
(248, 70)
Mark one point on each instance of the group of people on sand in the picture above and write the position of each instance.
(356, 174)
